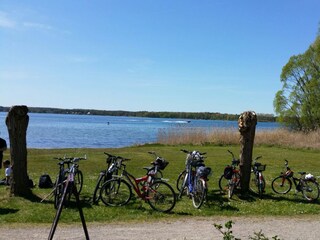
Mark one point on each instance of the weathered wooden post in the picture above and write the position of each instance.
(17, 123)
(247, 126)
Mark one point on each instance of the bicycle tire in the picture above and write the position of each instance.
(281, 185)
(223, 184)
(231, 187)
(199, 192)
(310, 190)
(233, 184)
(257, 184)
(183, 186)
(180, 180)
(78, 180)
(58, 191)
(96, 192)
(115, 192)
(161, 196)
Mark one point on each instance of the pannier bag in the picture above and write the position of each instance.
(203, 171)
(45, 181)
(228, 172)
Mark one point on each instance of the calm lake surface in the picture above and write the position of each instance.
(79, 131)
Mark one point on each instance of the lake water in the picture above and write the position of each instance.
(77, 131)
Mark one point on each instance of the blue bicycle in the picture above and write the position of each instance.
(193, 180)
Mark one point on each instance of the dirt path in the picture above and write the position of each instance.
(303, 228)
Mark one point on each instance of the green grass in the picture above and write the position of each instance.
(40, 161)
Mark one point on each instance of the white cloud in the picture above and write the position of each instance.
(5, 21)
(39, 26)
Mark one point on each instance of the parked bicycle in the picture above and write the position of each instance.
(66, 164)
(193, 180)
(105, 175)
(306, 184)
(230, 179)
(66, 188)
(156, 192)
(257, 182)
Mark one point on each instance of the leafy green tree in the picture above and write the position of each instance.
(298, 102)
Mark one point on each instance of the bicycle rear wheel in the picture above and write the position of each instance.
(281, 185)
(199, 192)
(160, 196)
(310, 190)
(115, 192)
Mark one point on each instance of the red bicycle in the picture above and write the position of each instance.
(156, 192)
(230, 179)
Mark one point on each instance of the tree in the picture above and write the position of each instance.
(297, 103)
(17, 123)
(247, 127)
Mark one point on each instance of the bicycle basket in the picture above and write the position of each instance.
(228, 172)
(261, 168)
(162, 163)
(203, 171)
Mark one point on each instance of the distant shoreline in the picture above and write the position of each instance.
(164, 114)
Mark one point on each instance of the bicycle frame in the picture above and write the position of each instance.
(136, 183)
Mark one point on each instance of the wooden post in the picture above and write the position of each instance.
(247, 126)
(17, 123)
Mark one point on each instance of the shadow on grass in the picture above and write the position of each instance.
(4, 211)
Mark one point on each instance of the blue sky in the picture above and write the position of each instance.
(166, 55)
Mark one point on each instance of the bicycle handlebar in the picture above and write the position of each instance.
(190, 152)
(70, 159)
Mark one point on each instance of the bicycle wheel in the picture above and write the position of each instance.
(223, 184)
(183, 186)
(257, 184)
(198, 194)
(231, 187)
(281, 185)
(58, 191)
(115, 192)
(101, 180)
(161, 197)
(310, 190)
(180, 179)
(78, 180)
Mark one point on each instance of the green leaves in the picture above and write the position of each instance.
(298, 102)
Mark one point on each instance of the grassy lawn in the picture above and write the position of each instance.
(40, 161)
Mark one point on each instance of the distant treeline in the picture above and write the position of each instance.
(183, 115)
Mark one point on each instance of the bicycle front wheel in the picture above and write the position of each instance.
(101, 180)
(310, 190)
(180, 180)
(161, 197)
(78, 180)
(281, 185)
(223, 184)
(257, 184)
(115, 192)
(199, 192)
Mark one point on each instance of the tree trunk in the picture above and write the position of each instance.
(247, 126)
(17, 123)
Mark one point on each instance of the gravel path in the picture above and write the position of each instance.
(304, 228)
